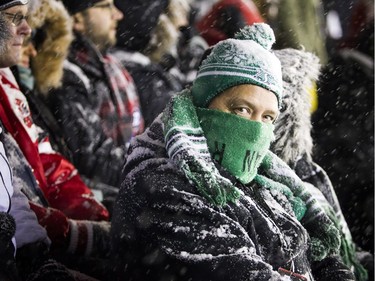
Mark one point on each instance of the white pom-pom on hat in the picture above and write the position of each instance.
(245, 59)
(258, 32)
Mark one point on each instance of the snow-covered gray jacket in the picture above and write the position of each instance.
(163, 229)
(98, 110)
(155, 85)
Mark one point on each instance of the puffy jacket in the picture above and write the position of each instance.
(58, 179)
(98, 110)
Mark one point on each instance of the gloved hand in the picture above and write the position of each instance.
(56, 223)
(331, 269)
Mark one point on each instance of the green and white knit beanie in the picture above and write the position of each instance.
(246, 59)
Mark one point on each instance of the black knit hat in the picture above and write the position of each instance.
(75, 6)
(140, 18)
(5, 4)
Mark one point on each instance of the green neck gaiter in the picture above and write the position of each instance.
(239, 145)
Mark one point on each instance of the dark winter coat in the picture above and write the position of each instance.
(294, 142)
(155, 85)
(97, 113)
(162, 229)
(344, 135)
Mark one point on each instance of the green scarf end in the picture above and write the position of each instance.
(318, 250)
(299, 207)
(224, 198)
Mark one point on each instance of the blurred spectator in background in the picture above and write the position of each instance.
(227, 17)
(97, 105)
(294, 144)
(135, 32)
(40, 71)
(32, 242)
(7, 223)
(201, 7)
(344, 20)
(344, 124)
(160, 50)
(297, 24)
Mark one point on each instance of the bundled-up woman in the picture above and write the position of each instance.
(203, 198)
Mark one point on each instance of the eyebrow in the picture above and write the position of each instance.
(234, 99)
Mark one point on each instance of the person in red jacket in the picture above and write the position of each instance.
(226, 18)
(66, 206)
(58, 178)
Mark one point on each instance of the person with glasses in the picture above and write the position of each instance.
(15, 13)
(60, 200)
(97, 105)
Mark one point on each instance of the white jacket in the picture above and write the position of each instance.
(6, 187)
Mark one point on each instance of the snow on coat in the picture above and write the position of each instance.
(98, 110)
(163, 228)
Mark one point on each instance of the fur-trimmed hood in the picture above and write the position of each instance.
(50, 18)
(293, 128)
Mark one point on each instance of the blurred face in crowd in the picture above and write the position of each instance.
(99, 23)
(18, 29)
(248, 101)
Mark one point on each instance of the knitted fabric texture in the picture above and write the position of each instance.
(325, 237)
(246, 59)
(187, 148)
(241, 151)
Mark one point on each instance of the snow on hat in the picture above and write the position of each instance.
(5, 4)
(246, 59)
(75, 6)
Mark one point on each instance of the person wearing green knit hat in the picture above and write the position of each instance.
(203, 197)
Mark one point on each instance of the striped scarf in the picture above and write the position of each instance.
(187, 148)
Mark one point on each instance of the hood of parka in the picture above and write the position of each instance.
(53, 27)
(300, 69)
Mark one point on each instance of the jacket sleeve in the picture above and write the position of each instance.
(331, 269)
(192, 237)
(28, 229)
(77, 237)
(67, 192)
(94, 154)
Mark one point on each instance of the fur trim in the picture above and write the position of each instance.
(163, 40)
(178, 11)
(54, 20)
(165, 36)
(293, 128)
